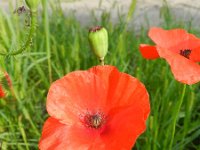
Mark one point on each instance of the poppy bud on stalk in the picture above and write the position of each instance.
(98, 39)
(33, 4)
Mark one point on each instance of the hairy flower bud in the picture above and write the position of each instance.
(33, 4)
(98, 39)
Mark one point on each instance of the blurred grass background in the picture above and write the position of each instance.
(60, 46)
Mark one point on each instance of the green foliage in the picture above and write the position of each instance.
(60, 47)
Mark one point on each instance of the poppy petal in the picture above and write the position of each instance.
(123, 89)
(76, 92)
(169, 38)
(148, 51)
(104, 72)
(183, 69)
(133, 99)
(195, 54)
(121, 131)
(58, 136)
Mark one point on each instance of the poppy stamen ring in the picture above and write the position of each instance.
(94, 120)
(186, 53)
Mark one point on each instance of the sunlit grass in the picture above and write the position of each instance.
(61, 46)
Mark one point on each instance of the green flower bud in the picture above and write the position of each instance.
(98, 39)
(33, 4)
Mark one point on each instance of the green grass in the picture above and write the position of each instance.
(61, 46)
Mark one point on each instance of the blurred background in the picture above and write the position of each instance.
(147, 13)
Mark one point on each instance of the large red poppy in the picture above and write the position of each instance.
(101, 108)
(179, 48)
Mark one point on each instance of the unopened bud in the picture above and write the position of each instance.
(98, 39)
(33, 4)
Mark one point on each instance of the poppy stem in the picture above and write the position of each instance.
(176, 113)
(101, 61)
(189, 106)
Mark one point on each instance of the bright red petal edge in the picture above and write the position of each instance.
(148, 51)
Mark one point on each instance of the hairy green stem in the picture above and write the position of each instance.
(33, 16)
(175, 117)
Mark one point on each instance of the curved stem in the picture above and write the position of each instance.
(33, 15)
(177, 110)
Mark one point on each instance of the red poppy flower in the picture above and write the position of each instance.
(5, 83)
(179, 48)
(96, 109)
(2, 93)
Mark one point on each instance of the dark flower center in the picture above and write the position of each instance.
(94, 120)
(186, 53)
